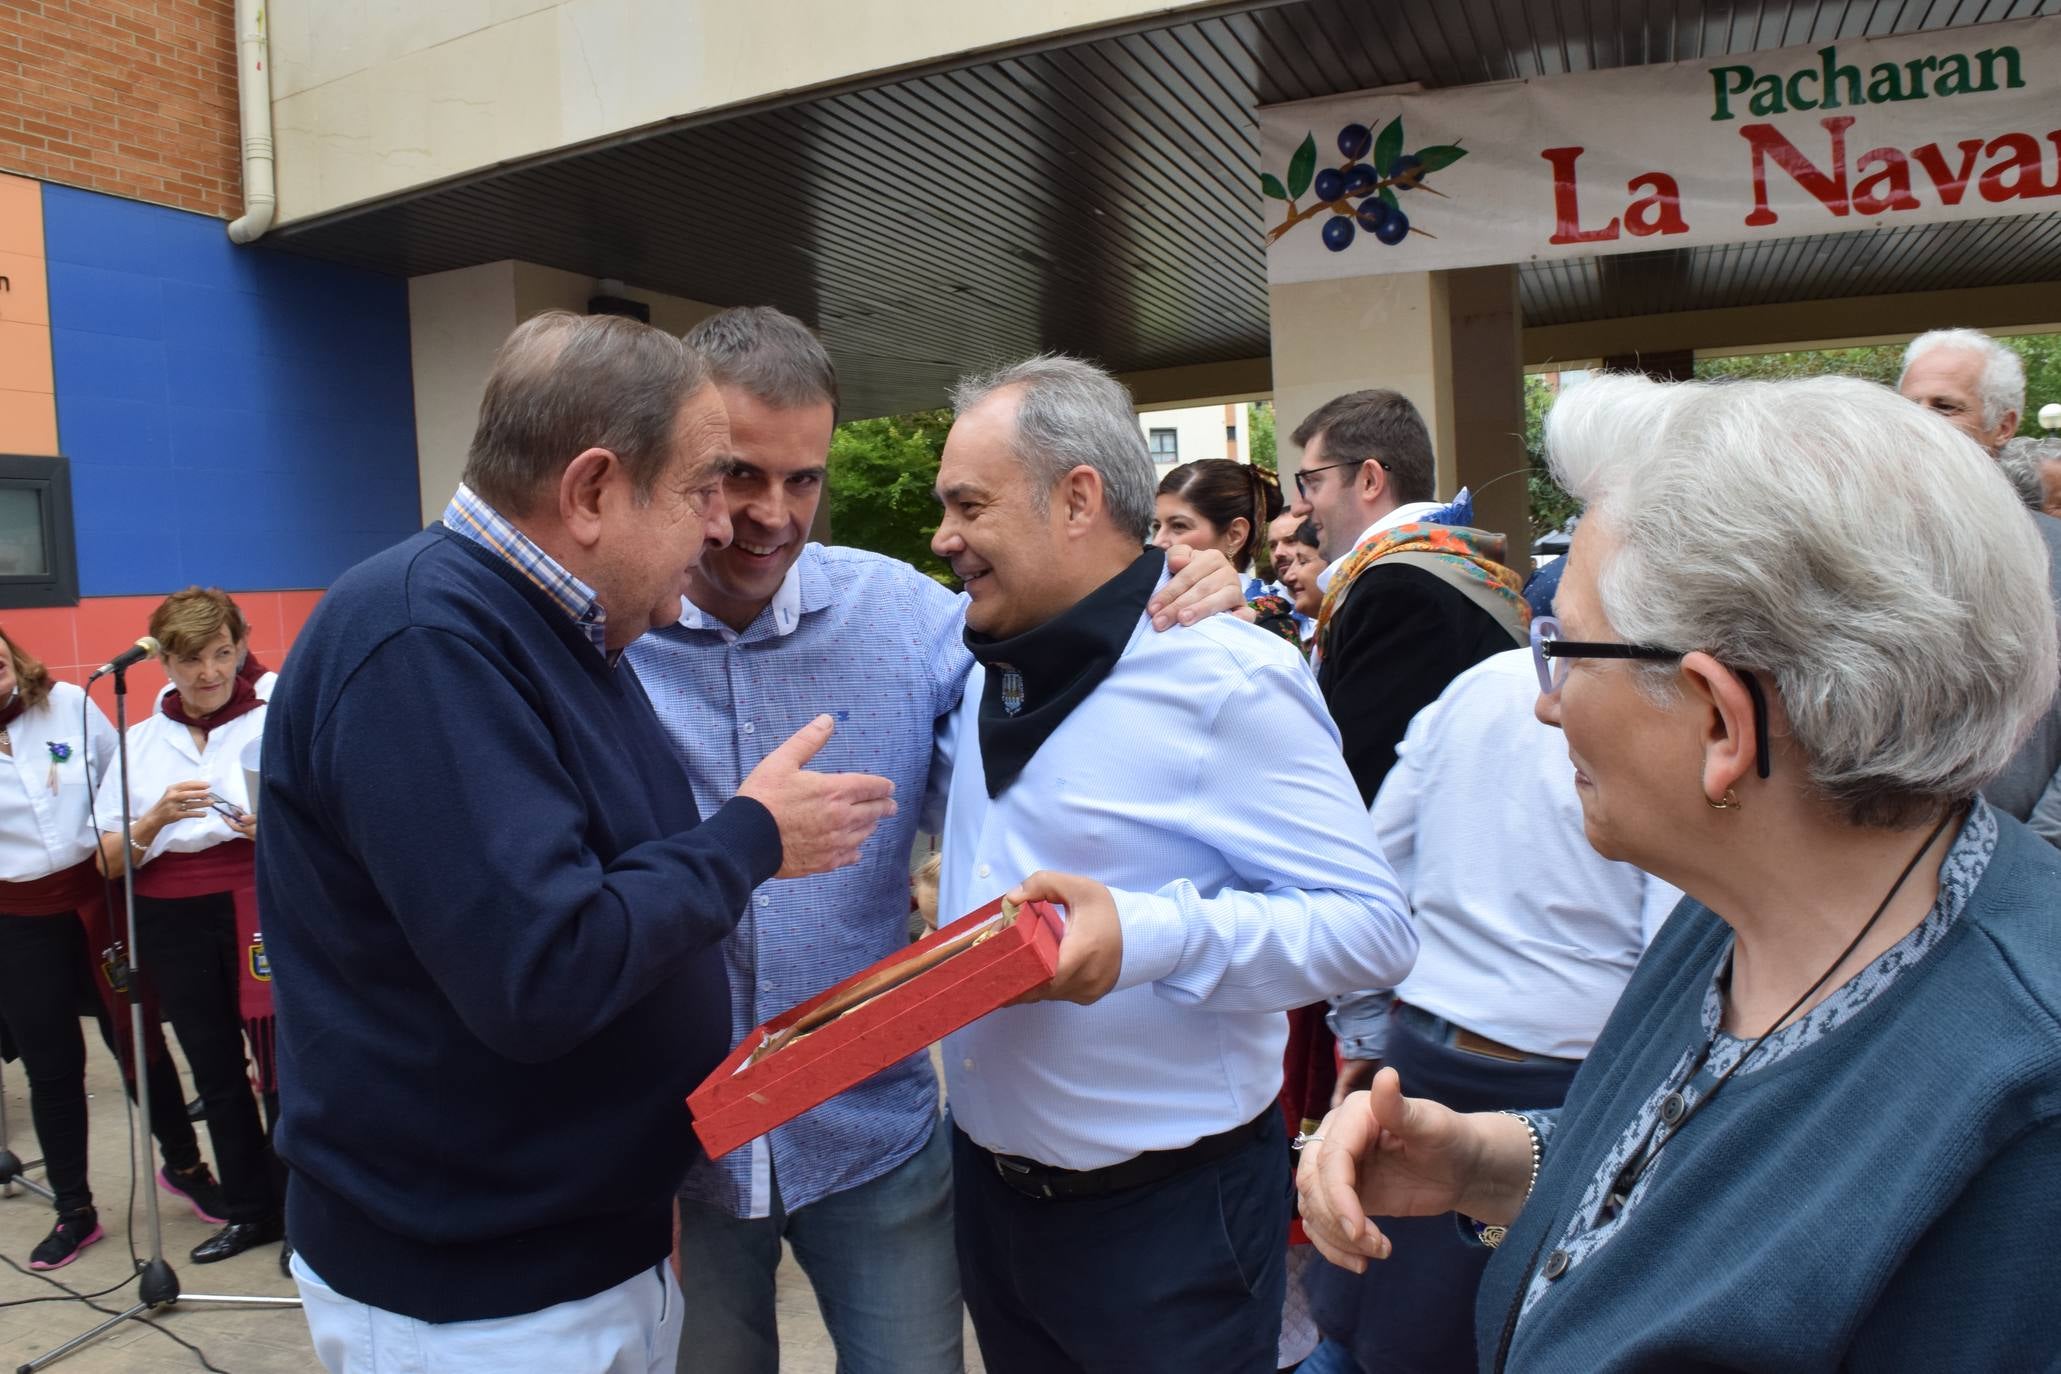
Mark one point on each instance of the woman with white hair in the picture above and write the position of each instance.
(1822, 1126)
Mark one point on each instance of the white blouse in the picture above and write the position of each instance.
(44, 798)
(162, 752)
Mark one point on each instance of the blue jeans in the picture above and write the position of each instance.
(880, 1258)
(1329, 1358)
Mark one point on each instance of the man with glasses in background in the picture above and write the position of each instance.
(1413, 596)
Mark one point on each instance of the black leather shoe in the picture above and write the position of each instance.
(286, 1257)
(237, 1237)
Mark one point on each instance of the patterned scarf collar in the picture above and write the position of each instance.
(1035, 679)
(243, 699)
(1476, 555)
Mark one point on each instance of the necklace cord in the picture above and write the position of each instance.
(1634, 1169)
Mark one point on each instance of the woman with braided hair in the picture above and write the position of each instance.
(1215, 503)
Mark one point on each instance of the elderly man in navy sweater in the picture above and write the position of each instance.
(494, 910)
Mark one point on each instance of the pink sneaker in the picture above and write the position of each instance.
(74, 1232)
(197, 1185)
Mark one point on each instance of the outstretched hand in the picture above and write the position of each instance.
(1381, 1154)
(824, 818)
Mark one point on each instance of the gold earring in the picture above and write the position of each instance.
(1730, 802)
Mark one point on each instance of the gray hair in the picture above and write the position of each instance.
(2021, 460)
(1856, 549)
(768, 354)
(564, 383)
(1073, 414)
(2003, 372)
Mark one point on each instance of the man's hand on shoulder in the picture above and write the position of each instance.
(1091, 954)
(823, 818)
(1203, 584)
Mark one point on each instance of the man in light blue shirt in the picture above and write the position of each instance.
(777, 629)
(1123, 1191)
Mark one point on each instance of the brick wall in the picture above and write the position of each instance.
(132, 97)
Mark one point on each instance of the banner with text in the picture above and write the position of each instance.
(1953, 124)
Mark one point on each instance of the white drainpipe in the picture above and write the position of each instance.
(254, 89)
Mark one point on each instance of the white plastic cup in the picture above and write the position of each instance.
(251, 752)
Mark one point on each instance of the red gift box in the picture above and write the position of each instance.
(875, 1018)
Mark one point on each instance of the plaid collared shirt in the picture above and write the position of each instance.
(483, 525)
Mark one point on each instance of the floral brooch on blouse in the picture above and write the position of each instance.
(59, 752)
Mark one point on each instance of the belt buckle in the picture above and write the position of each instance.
(1018, 1178)
(1472, 1042)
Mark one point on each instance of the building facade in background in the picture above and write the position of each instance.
(236, 417)
(174, 409)
(1184, 434)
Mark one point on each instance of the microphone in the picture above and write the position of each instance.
(143, 648)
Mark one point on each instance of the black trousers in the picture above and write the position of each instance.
(1414, 1314)
(46, 985)
(189, 956)
(1182, 1276)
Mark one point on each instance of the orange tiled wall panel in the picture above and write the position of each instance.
(132, 97)
(28, 400)
(74, 640)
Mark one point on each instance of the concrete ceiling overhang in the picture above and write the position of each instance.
(1099, 195)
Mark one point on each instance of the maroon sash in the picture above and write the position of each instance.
(53, 894)
(230, 867)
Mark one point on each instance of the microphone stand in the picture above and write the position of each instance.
(159, 1284)
(13, 1168)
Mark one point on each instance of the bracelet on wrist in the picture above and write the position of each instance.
(1492, 1236)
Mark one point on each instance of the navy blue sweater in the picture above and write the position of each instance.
(1883, 1198)
(493, 921)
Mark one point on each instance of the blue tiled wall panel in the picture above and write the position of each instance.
(235, 416)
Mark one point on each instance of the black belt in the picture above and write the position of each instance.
(1043, 1181)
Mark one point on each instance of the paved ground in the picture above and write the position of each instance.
(236, 1340)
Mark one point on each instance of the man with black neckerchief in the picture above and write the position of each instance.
(1122, 1200)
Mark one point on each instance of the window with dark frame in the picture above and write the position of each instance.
(38, 554)
(1166, 443)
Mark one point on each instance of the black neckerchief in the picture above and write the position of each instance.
(1035, 679)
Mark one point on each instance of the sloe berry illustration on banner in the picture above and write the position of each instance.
(1360, 192)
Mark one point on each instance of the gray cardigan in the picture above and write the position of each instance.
(1882, 1198)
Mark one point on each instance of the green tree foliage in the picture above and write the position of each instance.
(1259, 430)
(1875, 363)
(2042, 354)
(883, 480)
(1550, 506)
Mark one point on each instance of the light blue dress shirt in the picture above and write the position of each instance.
(1529, 934)
(877, 645)
(1202, 781)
